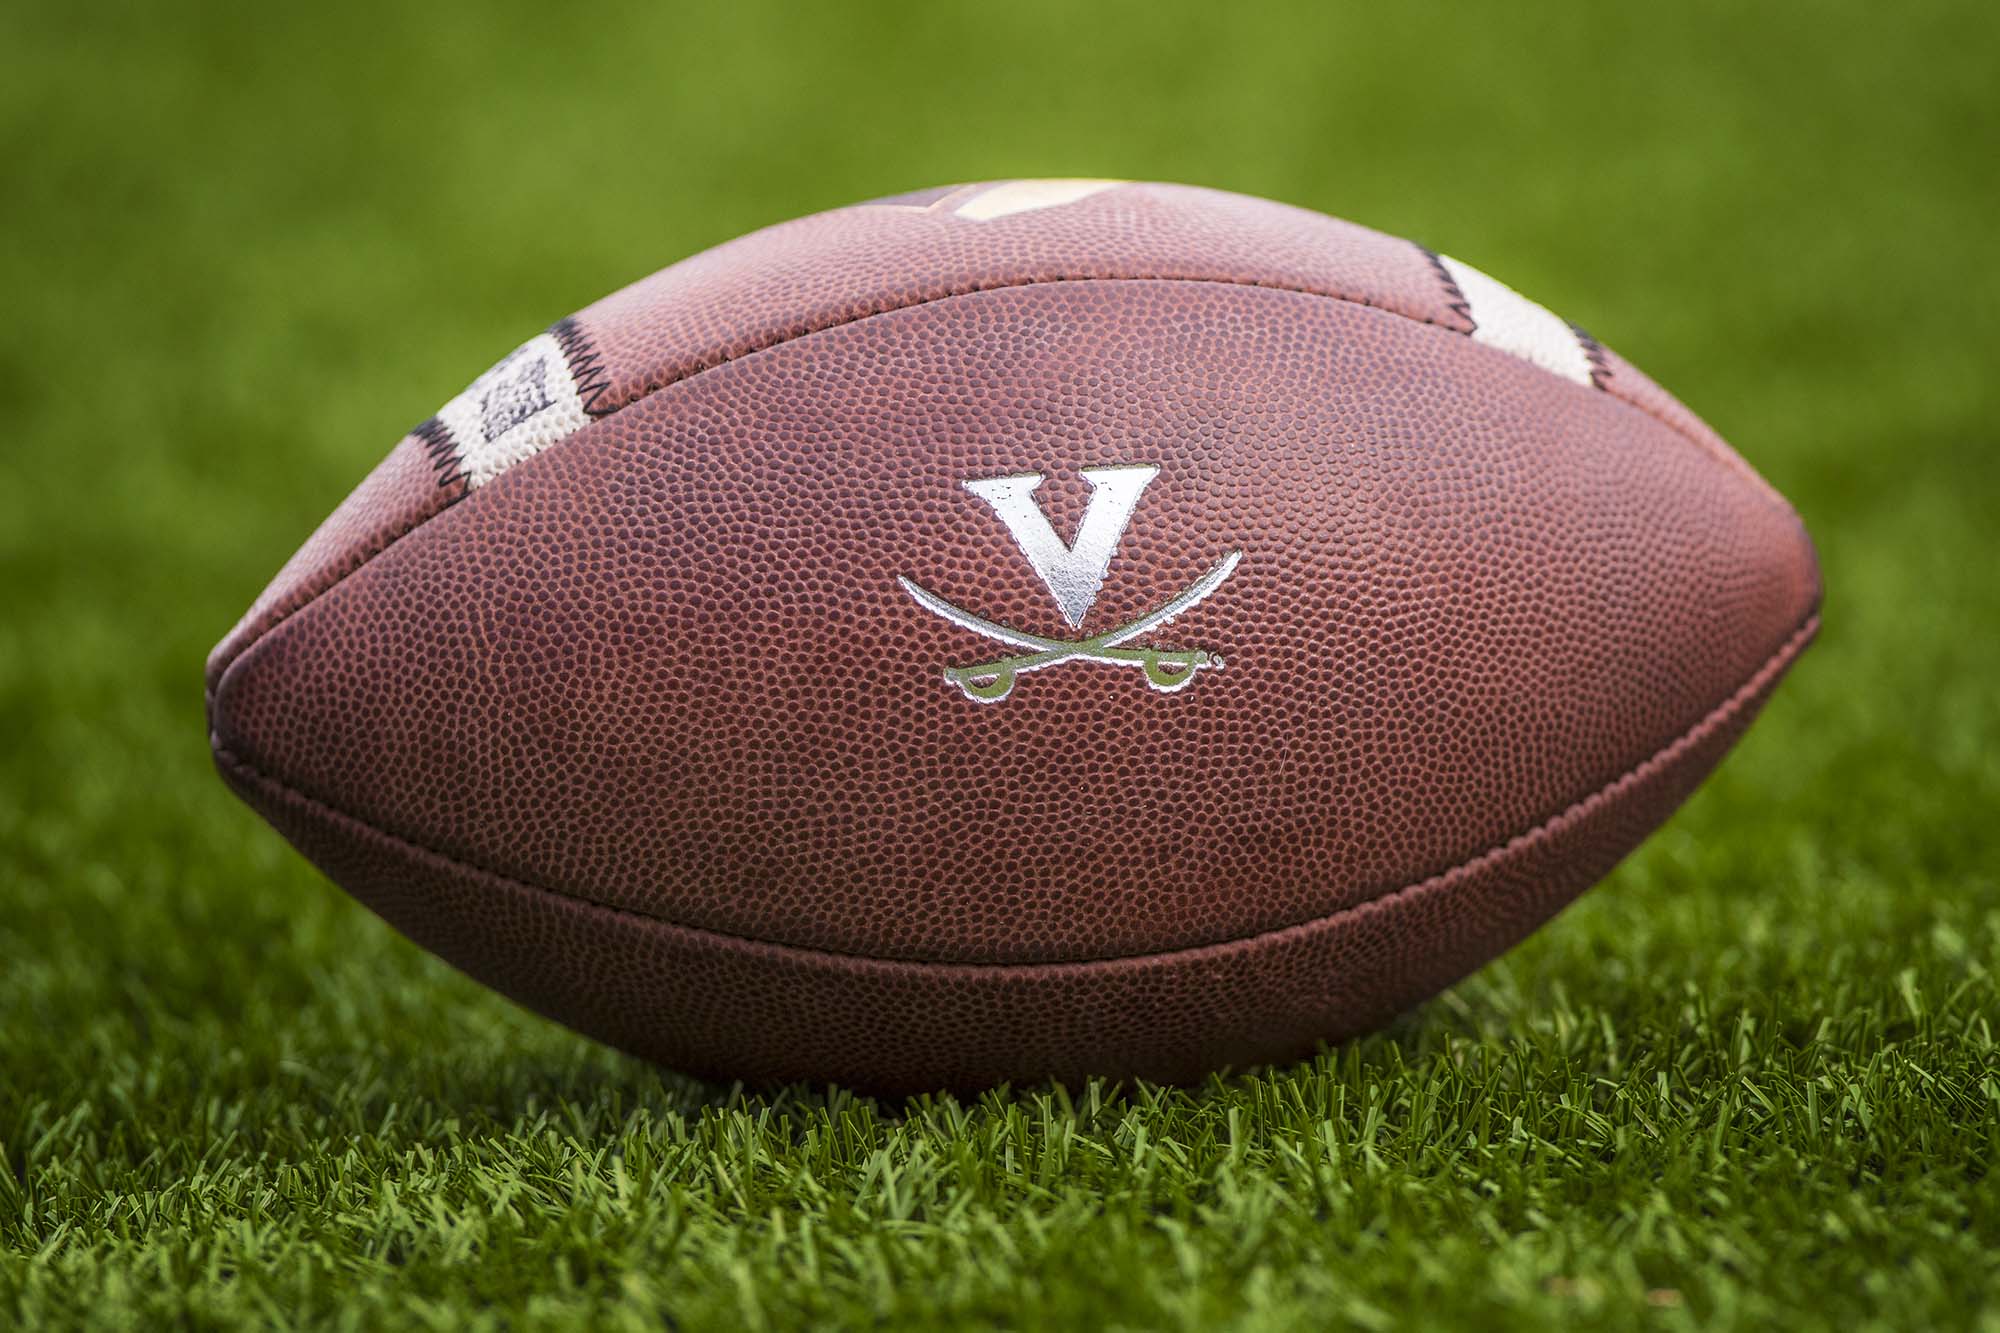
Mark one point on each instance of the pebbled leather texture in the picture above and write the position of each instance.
(648, 732)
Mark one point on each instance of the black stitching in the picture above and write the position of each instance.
(443, 451)
(586, 364)
(1454, 298)
(1593, 352)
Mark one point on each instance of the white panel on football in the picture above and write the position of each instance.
(1505, 319)
(514, 411)
(1026, 196)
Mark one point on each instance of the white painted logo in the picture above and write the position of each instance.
(1074, 572)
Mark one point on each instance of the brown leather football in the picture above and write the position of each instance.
(1045, 628)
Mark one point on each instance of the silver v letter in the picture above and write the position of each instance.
(1073, 573)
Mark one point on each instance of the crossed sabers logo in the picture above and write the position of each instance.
(1073, 574)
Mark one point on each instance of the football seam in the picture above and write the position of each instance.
(1594, 351)
(1600, 368)
(572, 335)
(1772, 666)
(1454, 299)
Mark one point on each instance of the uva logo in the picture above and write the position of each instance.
(1073, 572)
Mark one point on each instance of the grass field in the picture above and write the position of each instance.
(1750, 1081)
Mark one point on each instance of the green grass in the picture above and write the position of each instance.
(1752, 1080)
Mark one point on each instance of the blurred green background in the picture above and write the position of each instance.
(242, 248)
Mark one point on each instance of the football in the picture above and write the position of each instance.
(1025, 630)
